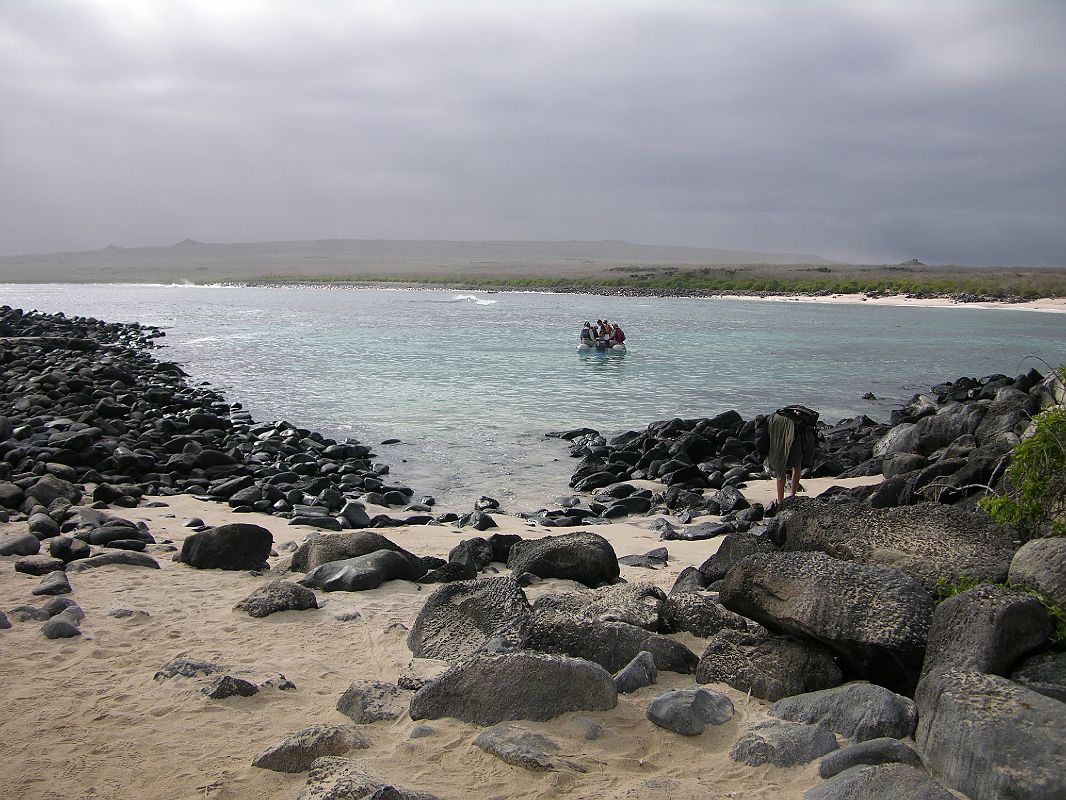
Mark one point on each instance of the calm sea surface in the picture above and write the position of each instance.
(470, 382)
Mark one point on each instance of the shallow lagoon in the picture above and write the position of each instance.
(470, 381)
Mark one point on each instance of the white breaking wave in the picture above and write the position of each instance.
(471, 298)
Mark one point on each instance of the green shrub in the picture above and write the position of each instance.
(1034, 498)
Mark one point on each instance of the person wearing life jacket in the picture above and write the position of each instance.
(618, 336)
(587, 336)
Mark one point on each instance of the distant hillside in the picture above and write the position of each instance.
(363, 258)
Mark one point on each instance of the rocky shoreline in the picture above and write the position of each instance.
(825, 607)
(960, 297)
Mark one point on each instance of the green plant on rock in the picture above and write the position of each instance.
(1034, 499)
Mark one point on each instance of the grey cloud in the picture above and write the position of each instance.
(858, 131)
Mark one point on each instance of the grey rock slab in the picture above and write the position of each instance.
(637, 604)
(19, 544)
(519, 747)
(53, 583)
(230, 686)
(858, 711)
(39, 565)
(362, 572)
(338, 778)
(926, 541)
(1044, 673)
(278, 595)
(698, 613)
(296, 752)
(783, 744)
(988, 737)
(987, 628)
(880, 782)
(328, 547)
(1041, 565)
(637, 674)
(770, 667)
(187, 668)
(372, 701)
(874, 618)
(612, 645)
(61, 626)
(689, 711)
(460, 617)
(487, 689)
(127, 558)
(885, 750)
(238, 546)
(584, 557)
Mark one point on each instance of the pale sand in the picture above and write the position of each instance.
(83, 717)
(1054, 305)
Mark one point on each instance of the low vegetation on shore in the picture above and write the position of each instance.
(964, 283)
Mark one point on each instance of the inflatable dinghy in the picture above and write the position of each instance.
(616, 348)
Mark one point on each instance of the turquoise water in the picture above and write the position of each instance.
(470, 381)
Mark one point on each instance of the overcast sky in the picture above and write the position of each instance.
(867, 131)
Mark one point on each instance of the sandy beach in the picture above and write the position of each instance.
(84, 718)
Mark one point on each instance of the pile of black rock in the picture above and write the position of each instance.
(947, 446)
(85, 402)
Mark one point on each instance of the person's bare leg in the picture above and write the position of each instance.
(780, 489)
(795, 481)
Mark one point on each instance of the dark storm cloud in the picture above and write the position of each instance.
(872, 131)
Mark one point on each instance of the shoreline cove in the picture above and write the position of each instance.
(142, 489)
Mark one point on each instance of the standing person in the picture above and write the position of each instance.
(618, 336)
(793, 441)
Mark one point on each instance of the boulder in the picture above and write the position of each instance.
(238, 546)
(488, 689)
(278, 595)
(337, 778)
(1044, 673)
(698, 613)
(460, 617)
(875, 618)
(637, 604)
(519, 747)
(38, 565)
(990, 738)
(858, 711)
(49, 488)
(475, 553)
(371, 701)
(637, 674)
(296, 752)
(329, 547)
(117, 557)
(987, 629)
(770, 667)
(53, 583)
(733, 548)
(880, 782)
(612, 645)
(362, 572)
(1041, 565)
(229, 686)
(783, 744)
(19, 544)
(689, 711)
(932, 432)
(584, 557)
(926, 541)
(63, 625)
(884, 750)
